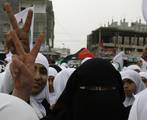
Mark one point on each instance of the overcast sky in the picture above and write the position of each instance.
(75, 19)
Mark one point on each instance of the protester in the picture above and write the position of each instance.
(132, 84)
(29, 79)
(51, 76)
(93, 91)
(39, 86)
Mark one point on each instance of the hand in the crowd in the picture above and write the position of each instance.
(22, 66)
(22, 33)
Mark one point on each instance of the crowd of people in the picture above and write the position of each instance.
(33, 89)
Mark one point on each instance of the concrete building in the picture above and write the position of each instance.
(107, 41)
(43, 19)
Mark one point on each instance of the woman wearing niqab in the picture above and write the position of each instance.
(93, 91)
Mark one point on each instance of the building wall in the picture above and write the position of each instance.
(4, 22)
(43, 18)
(107, 41)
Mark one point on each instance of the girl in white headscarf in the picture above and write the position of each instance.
(128, 77)
(51, 76)
(132, 84)
(13, 108)
(37, 99)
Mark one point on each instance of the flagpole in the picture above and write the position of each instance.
(32, 29)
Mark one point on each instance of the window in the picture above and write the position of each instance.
(140, 41)
(126, 40)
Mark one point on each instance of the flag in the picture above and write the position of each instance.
(84, 53)
(21, 18)
(144, 9)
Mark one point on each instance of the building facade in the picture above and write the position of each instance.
(43, 19)
(107, 41)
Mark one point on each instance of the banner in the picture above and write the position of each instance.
(21, 18)
(144, 9)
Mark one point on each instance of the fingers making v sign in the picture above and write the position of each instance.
(22, 33)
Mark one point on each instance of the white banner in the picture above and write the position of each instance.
(144, 9)
(21, 18)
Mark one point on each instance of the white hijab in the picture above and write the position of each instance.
(136, 78)
(143, 74)
(52, 72)
(134, 67)
(139, 108)
(13, 108)
(61, 80)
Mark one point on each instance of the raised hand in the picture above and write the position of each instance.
(22, 66)
(22, 33)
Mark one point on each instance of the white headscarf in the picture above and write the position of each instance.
(134, 67)
(41, 59)
(13, 108)
(52, 71)
(139, 108)
(143, 74)
(61, 80)
(136, 78)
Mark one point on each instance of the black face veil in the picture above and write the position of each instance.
(94, 91)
